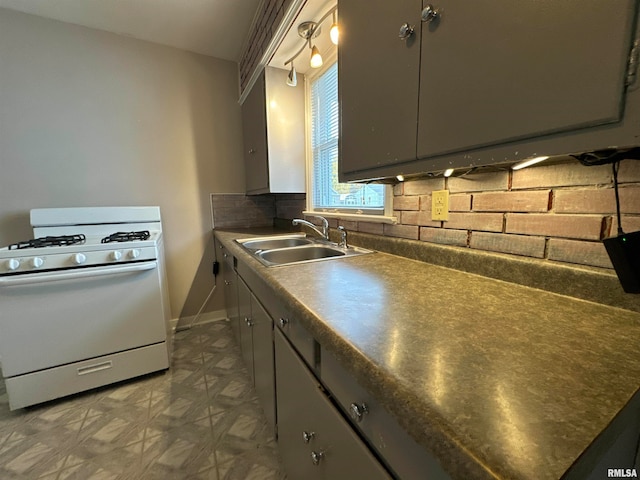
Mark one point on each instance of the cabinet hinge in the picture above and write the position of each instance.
(632, 65)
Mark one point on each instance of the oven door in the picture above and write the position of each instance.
(55, 318)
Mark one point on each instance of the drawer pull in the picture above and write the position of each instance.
(95, 368)
(307, 436)
(358, 411)
(284, 322)
(316, 457)
(248, 321)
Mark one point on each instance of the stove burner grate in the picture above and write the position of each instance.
(51, 241)
(126, 236)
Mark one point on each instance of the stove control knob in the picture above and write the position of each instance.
(13, 264)
(115, 255)
(36, 262)
(79, 258)
(135, 253)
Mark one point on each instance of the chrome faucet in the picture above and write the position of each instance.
(324, 233)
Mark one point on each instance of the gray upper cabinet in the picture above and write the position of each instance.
(378, 84)
(273, 130)
(254, 130)
(482, 82)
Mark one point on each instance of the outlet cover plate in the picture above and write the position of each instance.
(440, 205)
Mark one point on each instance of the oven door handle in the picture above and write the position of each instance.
(35, 278)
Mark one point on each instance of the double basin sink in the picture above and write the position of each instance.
(277, 250)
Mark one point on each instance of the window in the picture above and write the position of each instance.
(327, 194)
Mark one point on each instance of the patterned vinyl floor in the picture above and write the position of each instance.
(199, 420)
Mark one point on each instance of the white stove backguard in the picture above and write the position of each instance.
(94, 221)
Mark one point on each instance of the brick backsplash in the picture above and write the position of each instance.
(558, 212)
(561, 223)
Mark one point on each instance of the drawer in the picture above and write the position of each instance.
(401, 453)
(300, 339)
(52, 383)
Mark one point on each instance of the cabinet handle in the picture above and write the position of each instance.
(406, 31)
(284, 322)
(316, 457)
(248, 321)
(251, 151)
(358, 411)
(227, 282)
(429, 14)
(95, 368)
(307, 436)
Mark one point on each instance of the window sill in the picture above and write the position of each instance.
(355, 217)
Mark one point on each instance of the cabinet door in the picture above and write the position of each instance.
(378, 77)
(496, 71)
(254, 130)
(231, 300)
(304, 409)
(264, 376)
(246, 325)
(229, 280)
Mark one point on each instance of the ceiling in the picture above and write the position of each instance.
(217, 28)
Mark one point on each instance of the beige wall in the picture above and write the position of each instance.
(91, 118)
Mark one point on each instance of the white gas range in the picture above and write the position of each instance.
(84, 303)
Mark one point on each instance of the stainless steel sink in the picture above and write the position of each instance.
(301, 254)
(269, 243)
(280, 250)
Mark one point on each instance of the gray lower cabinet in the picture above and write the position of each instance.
(246, 323)
(256, 344)
(315, 441)
(483, 82)
(263, 360)
(315, 438)
(229, 285)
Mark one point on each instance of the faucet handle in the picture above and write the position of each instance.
(325, 225)
(325, 222)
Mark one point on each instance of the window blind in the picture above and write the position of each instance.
(327, 192)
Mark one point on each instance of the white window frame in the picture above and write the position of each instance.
(387, 216)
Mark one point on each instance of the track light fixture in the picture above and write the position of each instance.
(308, 31)
(316, 58)
(334, 33)
(292, 78)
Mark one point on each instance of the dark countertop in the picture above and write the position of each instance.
(496, 379)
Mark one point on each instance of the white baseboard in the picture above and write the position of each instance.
(207, 317)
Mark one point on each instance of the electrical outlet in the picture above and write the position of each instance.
(440, 205)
